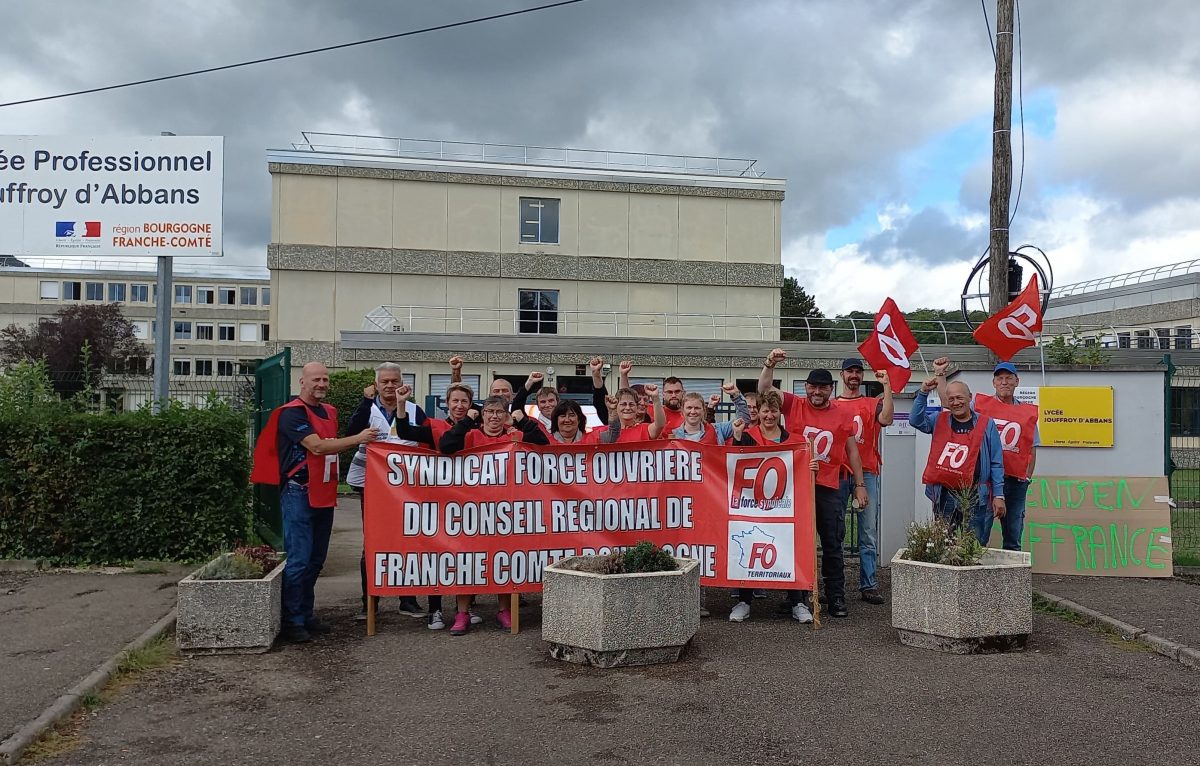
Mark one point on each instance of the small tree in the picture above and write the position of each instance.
(794, 305)
(78, 344)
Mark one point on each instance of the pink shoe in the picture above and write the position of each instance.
(505, 619)
(462, 623)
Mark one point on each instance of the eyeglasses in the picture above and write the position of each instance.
(495, 413)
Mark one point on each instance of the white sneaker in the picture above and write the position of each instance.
(475, 619)
(801, 614)
(740, 612)
(435, 620)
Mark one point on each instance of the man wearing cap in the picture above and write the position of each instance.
(870, 413)
(830, 430)
(1017, 424)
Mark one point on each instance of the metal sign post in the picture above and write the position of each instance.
(162, 341)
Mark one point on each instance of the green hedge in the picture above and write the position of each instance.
(88, 488)
(345, 392)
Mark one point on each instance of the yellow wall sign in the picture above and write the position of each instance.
(1076, 416)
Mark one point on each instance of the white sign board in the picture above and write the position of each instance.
(110, 196)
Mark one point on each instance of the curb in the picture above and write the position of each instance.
(1184, 655)
(12, 748)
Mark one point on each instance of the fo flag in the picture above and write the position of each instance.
(890, 345)
(1013, 329)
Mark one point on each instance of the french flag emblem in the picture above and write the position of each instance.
(77, 229)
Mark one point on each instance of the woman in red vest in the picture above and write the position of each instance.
(299, 449)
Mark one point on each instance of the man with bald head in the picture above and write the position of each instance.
(298, 450)
(965, 452)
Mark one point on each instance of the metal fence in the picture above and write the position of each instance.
(1183, 434)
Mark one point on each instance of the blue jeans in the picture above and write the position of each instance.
(306, 533)
(868, 527)
(1012, 526)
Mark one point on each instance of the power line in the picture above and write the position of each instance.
(324, 49)
(1020, 109)
(987, 23)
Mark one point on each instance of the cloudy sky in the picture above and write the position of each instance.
(877, 112)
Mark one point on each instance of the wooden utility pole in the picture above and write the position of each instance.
(1001, 159)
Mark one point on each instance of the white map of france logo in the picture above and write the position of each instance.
(746, 540)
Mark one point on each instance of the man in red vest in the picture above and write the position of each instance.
(1017, 424)
(298, 450)
(870, 414)
(830, 428)
(965, 451)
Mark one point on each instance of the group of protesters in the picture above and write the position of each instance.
(298, 450)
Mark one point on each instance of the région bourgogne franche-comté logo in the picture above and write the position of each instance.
(77, 229)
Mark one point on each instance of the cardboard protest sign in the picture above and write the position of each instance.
(1097, 525)
(490, 520)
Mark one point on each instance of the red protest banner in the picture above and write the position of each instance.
(490, 520)
(1012, 328)
(890, 345)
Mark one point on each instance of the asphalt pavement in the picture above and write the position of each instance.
(767, 691)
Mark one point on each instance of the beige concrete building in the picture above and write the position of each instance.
(220, 321)
(522, 258)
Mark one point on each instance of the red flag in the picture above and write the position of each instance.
(1013, 328)
(890, 345)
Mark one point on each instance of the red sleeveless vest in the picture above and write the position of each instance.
(952, 456)
(866, 430)
(828, 428)
(322, 469)
(1017, 424)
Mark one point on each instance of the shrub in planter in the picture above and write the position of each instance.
(951, 594)
(633, 608)
(232, 604)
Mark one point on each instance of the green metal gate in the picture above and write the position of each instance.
(272, 388)
(1183, 460)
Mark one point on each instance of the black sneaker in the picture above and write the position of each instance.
(872, 596)
(837, 607)
(410, 607)
(296, 634)
(317, 628)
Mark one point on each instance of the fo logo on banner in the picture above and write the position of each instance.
(1010, 434)
(760, 551)
(953, 455)
(822, 442)
(760, 484)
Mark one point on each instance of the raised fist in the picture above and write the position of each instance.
(473, 414)
(369, 392)
(650, 389)
(940, 365)
(596, 364)
(534, 379)
(730, 389)
(626, 367)
(739, 426)
(776, 356)
(456, 362)
(403, 393)
(713, 400)
(883, 377)
(611, 402)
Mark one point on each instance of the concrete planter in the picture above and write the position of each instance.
(229, 616)
(611, 620)
(964, 610)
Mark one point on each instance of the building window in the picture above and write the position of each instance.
(181, 367)
(266, 296)
(183, 293)
(203, 332)
(224, 369)
(1143, 339)
(439, 383)
(539, 220)
(1164, 336)
(249, 296)
(141, 329)
(49, 291)
(266, 332)
(1122, 340)
(72, 291)
(204, 368)
(245, 368)
(226, 296)
(206, 295)
(139, 293)
(94, 291)
(116, 292)
(1183, 337)
(537, 312)
(227, 332)
(183, 331)
(248, 333)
